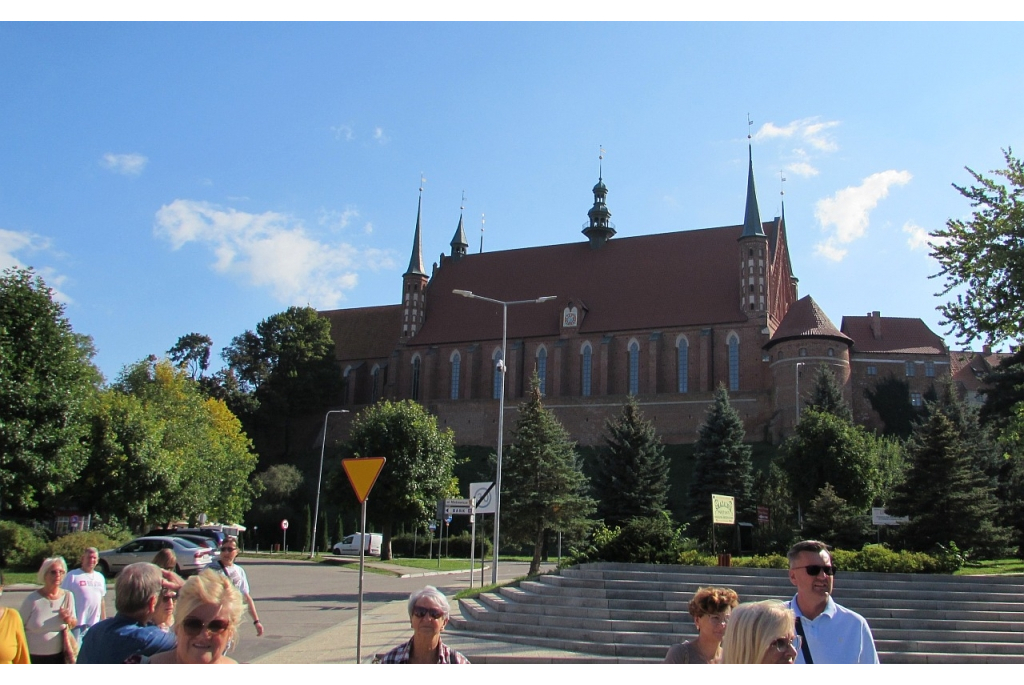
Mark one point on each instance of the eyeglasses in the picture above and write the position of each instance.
(784, 643)
(193, 626)
(436, 614)
(721, 619)
(228, 549)
(815, 569)
(169, 596)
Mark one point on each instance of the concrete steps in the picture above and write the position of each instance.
(626, 612)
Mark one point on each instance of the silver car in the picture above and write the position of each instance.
(192, 558)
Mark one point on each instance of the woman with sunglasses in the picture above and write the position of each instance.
(48, 612)
(428, 613)
(761, 633)
(711, 608)
(206, 619)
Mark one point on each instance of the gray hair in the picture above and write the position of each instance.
(815, 546)
(87, 550)
(45, 568)
(429, 592)
(135, 586)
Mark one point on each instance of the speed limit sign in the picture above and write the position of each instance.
(284, 524)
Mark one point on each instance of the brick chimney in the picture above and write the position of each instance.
(876, 325)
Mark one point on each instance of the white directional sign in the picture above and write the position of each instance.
(485, 504)
(461, 507)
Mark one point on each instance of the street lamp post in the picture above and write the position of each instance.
(319, 479)
(796, 407)
(501, 407)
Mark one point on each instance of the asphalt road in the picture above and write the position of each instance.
(296, 599)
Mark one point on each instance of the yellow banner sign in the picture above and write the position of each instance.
(723, 509)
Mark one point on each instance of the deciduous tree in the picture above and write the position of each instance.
(46, 380)
(632, 471)
(543, 484)
(192, 352)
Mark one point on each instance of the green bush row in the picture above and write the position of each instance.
(456, 546)
(21, 546)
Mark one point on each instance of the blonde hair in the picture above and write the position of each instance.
(210, 587)
(45, 568)
(752, 629)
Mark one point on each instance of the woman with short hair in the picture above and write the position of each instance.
(761, 633)
(710, 608)
(428, 613)
(48, 612)
(166, 559)
(206, 619)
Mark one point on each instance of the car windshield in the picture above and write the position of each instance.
(186, 543)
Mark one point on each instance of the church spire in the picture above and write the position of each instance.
(599, 229)
(459, 243)
(416, 259)
(751, 217)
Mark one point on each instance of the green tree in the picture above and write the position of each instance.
(827, 396)
(771, 489)
(829, 517)
(325, 534)
(722, 465)
(982, 258)
(890, 398)
(947, 497)
(1004, 391)
(307, 531)
(1011, 476)
(46, 381)
(192, 351)
(543, 484)
(632, 472)
(420, 458)
(827, 449)
(280, 482)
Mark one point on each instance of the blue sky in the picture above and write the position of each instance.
(169, 178)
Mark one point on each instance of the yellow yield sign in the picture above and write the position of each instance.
(362, 474)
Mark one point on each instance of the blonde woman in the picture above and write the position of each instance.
(761, 633)
(206, 621)
(47, 613)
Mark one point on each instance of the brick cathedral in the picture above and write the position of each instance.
(665, 317)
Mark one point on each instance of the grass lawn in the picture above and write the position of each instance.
(994, 567)
(13, 576)
(432, 564)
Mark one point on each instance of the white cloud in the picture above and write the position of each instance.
(368, 228)
(378, 135)
(130, 164)
(847, 212)
(801, 169)
(336, 220)
(343, 132)
(919, 237)
(269, 250)
(15, 241)
(809, 130)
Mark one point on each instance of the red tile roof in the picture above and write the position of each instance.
(898, 336)
(366, 332)
(638, 283)
(968, 367)
(805, 319)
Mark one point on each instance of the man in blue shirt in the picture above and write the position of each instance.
(138, 589)
(832, 634)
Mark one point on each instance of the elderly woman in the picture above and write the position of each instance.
(428, 612)
(205, 621)
(710, 608)
(47, 613)
(13, 647)
(761, 633)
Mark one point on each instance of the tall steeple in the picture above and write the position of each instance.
(599, 229)
(751, 217)
(414, 282)
(459, 243)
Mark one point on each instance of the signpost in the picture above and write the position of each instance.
(284, 535)
(362, 474)
(723, 510)
(486, 503)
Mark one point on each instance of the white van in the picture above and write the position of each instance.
(350, 545)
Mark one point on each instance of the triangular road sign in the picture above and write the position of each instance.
(362, 474)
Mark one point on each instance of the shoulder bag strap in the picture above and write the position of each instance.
(804, 647)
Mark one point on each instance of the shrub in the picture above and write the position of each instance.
(72, 545)
(651, 540)
(692, 557)
(881, 559)
(456, 547)
(768, 561)
(20, 546)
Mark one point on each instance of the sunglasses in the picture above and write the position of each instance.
(193, 626)
(169, 596)
(436, 614)
(784, 643)
(815, 569)
(228, 549)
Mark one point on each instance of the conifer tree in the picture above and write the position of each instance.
(632, 471)
(828, 396)
(543, 484)
(829, 517)
(722, 465)
(947, 497)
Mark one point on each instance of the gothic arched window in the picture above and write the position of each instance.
(634, 368)
(733, 346)
(542, 369)
(456, 368)
(682, 364)
(586, 369)
(416, 377)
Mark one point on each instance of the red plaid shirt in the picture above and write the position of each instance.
(445, 655)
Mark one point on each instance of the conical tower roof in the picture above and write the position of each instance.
(752, 217)
(805, 319)
(416, 260)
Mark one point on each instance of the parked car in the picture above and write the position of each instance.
(202, 541)
(217, 536)
(192, 558)
(350, 545)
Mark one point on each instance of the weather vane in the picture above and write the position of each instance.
(463, 206)
(782, 183)
(481, 232)
(423, 179)
(600, 161)
(750, 122)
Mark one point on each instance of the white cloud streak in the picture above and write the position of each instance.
(919, 238)
(15, 241)
(378, 135)
(809, 130)
(130, 164)
(269, 250)
(801, 169)
(846, 214)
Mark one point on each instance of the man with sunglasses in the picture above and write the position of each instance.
(138, 592)
(226, 565)
(832, 634)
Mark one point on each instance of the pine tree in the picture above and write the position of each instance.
(307, 532)
(543, 484)
(722, 465)
(829, 517)
(947, 497)
(325, 534)
(828, 396)
(632, 471)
